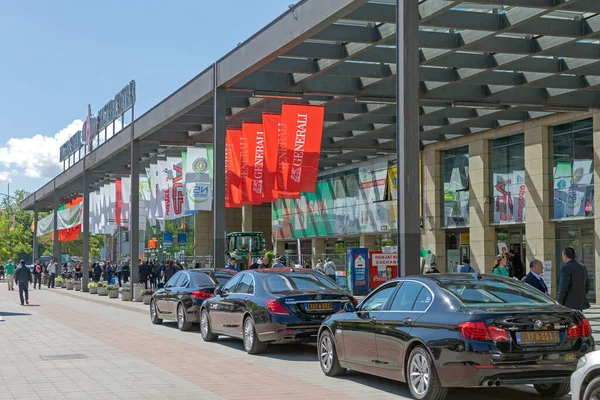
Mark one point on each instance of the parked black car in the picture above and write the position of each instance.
(272, 306)
(440, 331)
(181, 297)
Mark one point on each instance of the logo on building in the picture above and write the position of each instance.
(199, 193)
(200, 166)
(578, 175)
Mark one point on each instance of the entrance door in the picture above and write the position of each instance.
(581, 238)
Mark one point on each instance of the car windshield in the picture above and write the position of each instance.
(297, 281)
(495, 294)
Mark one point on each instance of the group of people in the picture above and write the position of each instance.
(328, 268)
(20, 275)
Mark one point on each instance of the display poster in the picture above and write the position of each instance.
(509, 197)
(453, 257)
(548, 275)
(357, 270)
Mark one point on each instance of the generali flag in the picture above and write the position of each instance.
(252, 163)
(233, 195)
(272, 127)
(304, 130)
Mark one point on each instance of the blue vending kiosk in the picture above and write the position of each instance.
(357, 271)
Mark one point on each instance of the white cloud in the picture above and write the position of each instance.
(34, 157)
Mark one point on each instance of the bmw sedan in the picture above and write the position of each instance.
(438, 331)
(265, 306)
(181, 297)
(585, 382)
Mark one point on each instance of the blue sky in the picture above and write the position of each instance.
(61, 55)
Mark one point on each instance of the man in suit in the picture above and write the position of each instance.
(574, 283)
(534, 277)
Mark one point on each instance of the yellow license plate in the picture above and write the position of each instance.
(538, 337)
(319, 306)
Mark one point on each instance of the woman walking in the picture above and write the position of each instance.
(500, 267)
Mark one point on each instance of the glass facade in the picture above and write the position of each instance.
(455, 175)
(508, 179)
(361, 200)
(581, 238)
(573, 169)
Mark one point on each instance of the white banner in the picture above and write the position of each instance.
(176, 188)
(125, 201)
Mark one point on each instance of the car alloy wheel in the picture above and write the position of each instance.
(153, 310)
(204, 324)
(595, 395)
(326, 353)
(154, 313)
(248, 334)
(180, 317)
(419, 374)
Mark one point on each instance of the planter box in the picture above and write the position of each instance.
(61, 285)
(102, 291)
(93, 290)
(77, 287)
(113, 294)
(136, 292)
(146, 298)
(70, 286)
(126, 296)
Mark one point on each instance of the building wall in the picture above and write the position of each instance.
(203, 229)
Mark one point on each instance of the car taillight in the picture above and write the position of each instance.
(276, 307)
(480, 331)
(201, 295)
(583, 329)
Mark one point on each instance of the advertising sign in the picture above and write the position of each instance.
(357, 270)
(167, 240)
(383, 267)
(72, 146)
(181, 239)
(116, 107)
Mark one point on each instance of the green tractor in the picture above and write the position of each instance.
(245, 246)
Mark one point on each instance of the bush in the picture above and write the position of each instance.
(147, 292)
(59, 280)
(92, 284)
(70, 281)
(112, 287)
(102, 284)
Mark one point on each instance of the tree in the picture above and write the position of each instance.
(15, 229)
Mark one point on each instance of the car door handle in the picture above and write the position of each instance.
(373, 320)
(407, 321)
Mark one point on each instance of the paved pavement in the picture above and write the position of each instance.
(73, 345)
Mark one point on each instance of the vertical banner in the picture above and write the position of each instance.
(276, 142)
(198, 185)
(251, 190)
(304, 126)
(164, 194)
(233, 195)
(176, 187)
(125, 200)
(112, 205)
(259, 182)
(119, 201)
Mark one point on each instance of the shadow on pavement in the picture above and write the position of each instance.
(287, 352)
(12, 314)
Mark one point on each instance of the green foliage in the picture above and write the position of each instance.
(59, 279)
(16, 243)
(112, 287)
(92, 285)
(102, 284)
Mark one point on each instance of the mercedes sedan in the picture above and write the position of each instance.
(265, 306)
(181, 297)
(441, 331)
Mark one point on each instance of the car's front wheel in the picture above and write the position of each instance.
(553, 389)
(592, 390)
(251, 342)
(205, 330)
(422, 378)
(182, 324)
(328, 357)
(154, 313)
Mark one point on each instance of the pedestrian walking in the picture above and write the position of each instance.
(329, 269)
(37, 275)
(277, 263)
(574, 283)
(534, 277)
(466, 268)
(109, 273)
(97, 270)
(23, 278)
(51, 274)
(120, 273)
(125, 271)
(500, 267)
(10, 275)
(319, 265)
(1, 271)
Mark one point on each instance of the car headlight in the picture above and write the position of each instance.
(582, 361)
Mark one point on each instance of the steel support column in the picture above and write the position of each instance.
(56, 248)
(407, 137)
(85, 230)
(219, 132)
(134, 218)
(35, 228)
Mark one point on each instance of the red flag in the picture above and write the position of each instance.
(271, 125)
(250, 175)
(233, 195)
(119, 202)
(304, 125)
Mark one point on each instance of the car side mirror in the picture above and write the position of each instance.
(349, 308)
(218, 290)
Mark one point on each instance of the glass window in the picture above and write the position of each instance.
(201, 279)
(246, 285)
(379, 299)
(222, 279)
(455, 175)
(295, 281)
(183, 282)
(489, 293)
(174, 280)
(228, 288)
(423, 300)
(508, 178)
(573, 169)
(406, 296)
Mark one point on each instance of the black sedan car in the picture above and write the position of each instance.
(272, 306)
(441, 331)
(184, 293)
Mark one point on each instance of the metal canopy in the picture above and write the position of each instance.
(483, 64)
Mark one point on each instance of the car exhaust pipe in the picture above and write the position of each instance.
(498, 383)
(288, 338)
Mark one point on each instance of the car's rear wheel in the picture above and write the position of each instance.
(553, 389)
(154, 313)
(182, 324)
(592, 390)
(251, 342)
(422, 378)
(205, 330)
(328, 358)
